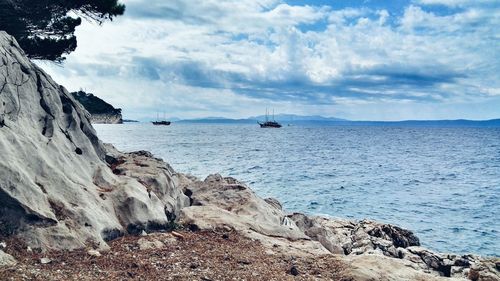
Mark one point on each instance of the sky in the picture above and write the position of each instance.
(353, 59)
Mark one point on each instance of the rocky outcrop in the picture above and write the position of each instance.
(61, 188)
(225, 203)
(100, 111)
(56, 188)
(375, 251)
(349, 237)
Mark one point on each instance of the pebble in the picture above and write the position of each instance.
(45, 260)
(94, 253)
(294, 271)
(3, 245)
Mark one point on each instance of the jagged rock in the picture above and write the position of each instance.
(334, 235)
(6, 259)
(56, 188)
(219, 201)
(368, 238)
(348, 237)
(157, 178)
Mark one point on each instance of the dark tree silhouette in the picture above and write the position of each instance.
(45, 28)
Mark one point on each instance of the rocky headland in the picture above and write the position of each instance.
(72, 207)
(100, 111)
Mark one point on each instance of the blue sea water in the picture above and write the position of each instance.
(442, 183)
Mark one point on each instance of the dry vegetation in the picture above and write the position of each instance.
(203, 255)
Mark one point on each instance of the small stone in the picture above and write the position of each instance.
(144, 233)
(145, 244)
(29, 250)
(3, 245)
(94, 253)
(45, 260)
(294, 271)
(6, 259)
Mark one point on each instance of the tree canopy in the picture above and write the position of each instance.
(45, 29)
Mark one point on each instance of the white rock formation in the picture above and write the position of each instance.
(56, 190)
(61, 188)
(374, 251)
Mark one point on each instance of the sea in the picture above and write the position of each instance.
(443, 183)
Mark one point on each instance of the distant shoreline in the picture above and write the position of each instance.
(494, 123)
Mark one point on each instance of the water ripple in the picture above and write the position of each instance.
(443, 183)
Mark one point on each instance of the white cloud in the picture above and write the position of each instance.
(456, 3)
(233, 58)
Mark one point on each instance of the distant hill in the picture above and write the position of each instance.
(282, 118)
(101, 112)
(218, 120)
(287, 118)
(428, 123)
(332, 121)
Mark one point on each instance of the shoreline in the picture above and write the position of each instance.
(391, 202)
(63, 191)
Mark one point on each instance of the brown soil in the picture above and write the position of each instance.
(203, 255)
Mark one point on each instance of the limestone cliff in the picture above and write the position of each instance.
(56, 189)
(100, 111)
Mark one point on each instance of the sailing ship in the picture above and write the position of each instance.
(165, 123)
(161, 122)
(269, 123)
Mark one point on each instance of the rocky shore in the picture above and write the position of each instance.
(100, 111)
(68, 201)
(106, 118)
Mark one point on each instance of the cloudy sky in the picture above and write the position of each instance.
(355, 59)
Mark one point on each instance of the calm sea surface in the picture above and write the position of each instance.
(443, 183)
